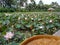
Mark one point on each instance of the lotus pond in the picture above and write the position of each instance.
(16, 27)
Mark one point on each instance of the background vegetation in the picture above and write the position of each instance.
(23, 6)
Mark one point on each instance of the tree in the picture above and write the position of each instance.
(40, 3)
(22, 2)
(32, 1)
(8, 2)
(54, 5)
(31, 6)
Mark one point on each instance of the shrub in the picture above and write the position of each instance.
(2, 9)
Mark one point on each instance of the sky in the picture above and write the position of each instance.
(47, 1)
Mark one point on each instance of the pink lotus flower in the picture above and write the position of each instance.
(8, 35)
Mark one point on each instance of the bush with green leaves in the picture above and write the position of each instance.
(27, 24)
(2, 9)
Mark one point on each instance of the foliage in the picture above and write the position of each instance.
(31, 7)
(9, 2)
(25, 25)
(2, 9)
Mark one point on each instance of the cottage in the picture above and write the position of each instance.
(51, 9)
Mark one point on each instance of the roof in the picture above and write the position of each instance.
(51, 9)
